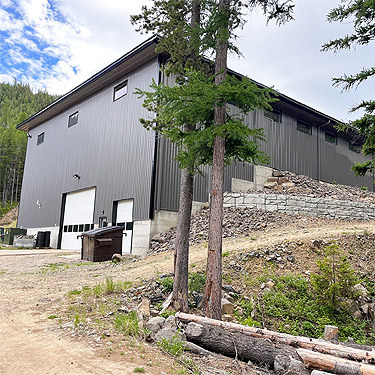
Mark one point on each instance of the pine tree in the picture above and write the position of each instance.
(361, 13)
(218, 136)
(17, 103)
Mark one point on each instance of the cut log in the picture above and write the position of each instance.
(237, 345)
(333, 364)
(283, 338)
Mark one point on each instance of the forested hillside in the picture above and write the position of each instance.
(17, 103)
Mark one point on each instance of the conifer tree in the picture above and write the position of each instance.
(361, 13)
(219, 137)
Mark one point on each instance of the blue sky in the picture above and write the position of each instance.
(57, 44)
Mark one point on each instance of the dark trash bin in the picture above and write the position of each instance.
(100, 244)
(43, 239)
(1, 233)
(10, 233)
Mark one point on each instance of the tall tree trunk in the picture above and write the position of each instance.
(181, 266)
(212, 296)
(181, 256)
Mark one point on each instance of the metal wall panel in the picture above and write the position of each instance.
(108, 148)
(336, 161)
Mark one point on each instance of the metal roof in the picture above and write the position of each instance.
(134, 58)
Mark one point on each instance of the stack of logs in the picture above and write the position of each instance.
(286, 354)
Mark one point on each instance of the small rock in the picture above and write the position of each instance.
(270, 284)
(144, 307)
(228, 318)
(155, 324)
(169, 334)
(226, 307)
(170, 322)
(318, 243)
(291, 258)
(117, 258)
(277, 173)
(156, 238)
(361, 289)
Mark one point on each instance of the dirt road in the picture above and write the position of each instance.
(28, 345)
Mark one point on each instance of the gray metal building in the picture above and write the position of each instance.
(90, 163)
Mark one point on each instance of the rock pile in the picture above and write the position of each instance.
(236, 222)
(283, 182)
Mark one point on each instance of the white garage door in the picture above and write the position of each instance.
(78, 217)
(125, 218)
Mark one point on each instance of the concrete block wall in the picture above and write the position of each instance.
(300, 205)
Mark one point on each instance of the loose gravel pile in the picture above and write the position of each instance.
(289, 183)
(237, 222)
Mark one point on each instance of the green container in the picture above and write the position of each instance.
(10, 233)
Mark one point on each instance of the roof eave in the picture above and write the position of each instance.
(114, 71)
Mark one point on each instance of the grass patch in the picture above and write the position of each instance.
(52, 316)
(127, 324)
(293, 307)
(139, 370)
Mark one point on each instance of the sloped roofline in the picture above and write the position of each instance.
(96, 82)
(138, 55)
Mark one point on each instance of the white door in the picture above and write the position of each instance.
(78, 217)
(125, 218)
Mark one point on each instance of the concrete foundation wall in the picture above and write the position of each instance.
(54, 234)
(261, 175)
(299, 205)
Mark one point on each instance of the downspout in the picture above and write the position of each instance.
(154, 176)
(318, 148)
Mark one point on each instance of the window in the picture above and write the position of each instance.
(354, 147)
(120, 90)
(274, 115)
(40, 139)
(330, 138)
(73, 119)
(304, 127)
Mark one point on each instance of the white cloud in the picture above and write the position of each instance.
(80, 37)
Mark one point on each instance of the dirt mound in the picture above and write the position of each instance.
(9, 217)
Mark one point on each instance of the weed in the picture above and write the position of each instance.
(2, 272)
(127, 324)
(167, 284)
(225, 254)
(196, 282)
(167, 313)
(139, 369)
(74, 292)
(53, 267)
(174, 347)
(52, 316)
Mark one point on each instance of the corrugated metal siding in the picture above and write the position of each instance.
(336, 161)
(108, 148)
(169, 175)
(288, 148)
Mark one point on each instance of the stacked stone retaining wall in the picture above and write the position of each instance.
(301, 205)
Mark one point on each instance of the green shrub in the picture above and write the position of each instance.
(335, 280)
